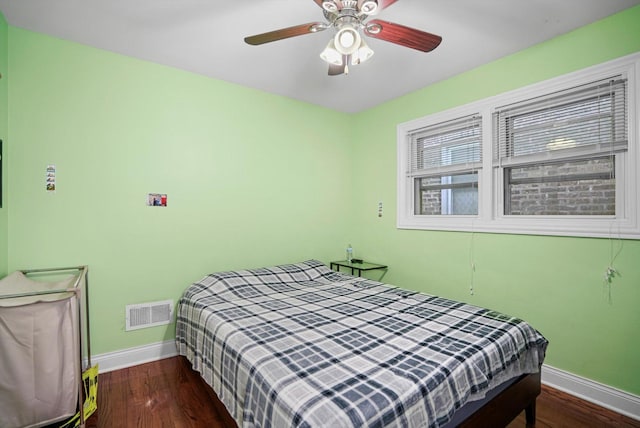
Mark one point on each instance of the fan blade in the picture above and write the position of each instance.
(285, 33)
(401, 35)
(335, 70)
(385, 3)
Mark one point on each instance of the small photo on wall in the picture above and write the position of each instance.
(51, 178)
(157, 199)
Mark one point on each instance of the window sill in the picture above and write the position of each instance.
(527, 225)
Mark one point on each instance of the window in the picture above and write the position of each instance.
(560, 157)
(558, 152)
(575, 187)
(444, 161)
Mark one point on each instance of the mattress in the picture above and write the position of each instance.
(301, 345)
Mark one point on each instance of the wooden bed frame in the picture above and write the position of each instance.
(507, 405)
(498, 412)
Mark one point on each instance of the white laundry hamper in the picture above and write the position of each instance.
(40, 347)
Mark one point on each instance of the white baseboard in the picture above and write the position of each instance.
(134, 356)
(611, 398)
(594, 392)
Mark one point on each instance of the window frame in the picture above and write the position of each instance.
(445, 137)
(491, 218)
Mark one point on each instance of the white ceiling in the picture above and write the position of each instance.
(206, 37)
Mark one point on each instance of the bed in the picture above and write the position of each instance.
(302, 345)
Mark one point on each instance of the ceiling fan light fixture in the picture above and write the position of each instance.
(369, 7)
(347, 40)
(363, 53)
(348, 18)
(330, 6)
(331, 55)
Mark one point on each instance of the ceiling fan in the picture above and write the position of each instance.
(347, 47)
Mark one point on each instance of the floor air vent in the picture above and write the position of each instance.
(149, 314)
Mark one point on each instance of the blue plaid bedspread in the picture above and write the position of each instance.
(301, 345)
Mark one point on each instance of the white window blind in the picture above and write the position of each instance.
(446, 148)
(579, 122)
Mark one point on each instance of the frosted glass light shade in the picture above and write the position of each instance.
(331, 55)
(347, 40)
(363, 53)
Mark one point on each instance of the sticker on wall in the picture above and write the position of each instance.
(51, 178)
(157, 199)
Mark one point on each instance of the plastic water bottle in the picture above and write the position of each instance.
(349, 253)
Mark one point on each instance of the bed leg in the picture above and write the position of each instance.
(530, 414)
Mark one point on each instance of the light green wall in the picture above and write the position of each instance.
(252, 179)
(4, 103)
(555, 283)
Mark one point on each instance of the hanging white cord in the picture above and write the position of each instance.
(611, 272)
(472, 260)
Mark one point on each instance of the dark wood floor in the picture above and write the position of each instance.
(167, 393)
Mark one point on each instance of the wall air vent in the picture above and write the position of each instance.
(151, 314)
